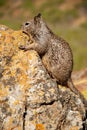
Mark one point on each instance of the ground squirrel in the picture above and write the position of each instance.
(55, 52)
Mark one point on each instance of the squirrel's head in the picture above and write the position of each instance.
(33, 25)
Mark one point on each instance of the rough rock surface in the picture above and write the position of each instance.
(29, 98)
(80, 81)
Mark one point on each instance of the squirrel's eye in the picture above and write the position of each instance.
(27, 23)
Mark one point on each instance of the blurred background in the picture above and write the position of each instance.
(67, 18)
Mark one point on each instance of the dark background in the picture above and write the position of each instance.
(67, 18)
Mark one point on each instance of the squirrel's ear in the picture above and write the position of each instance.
(37, 18)
(39, 15)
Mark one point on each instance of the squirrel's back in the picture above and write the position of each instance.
(58, 59)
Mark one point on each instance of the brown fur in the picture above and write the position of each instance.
(55, 52)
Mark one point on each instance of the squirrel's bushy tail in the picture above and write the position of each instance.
(76, 91)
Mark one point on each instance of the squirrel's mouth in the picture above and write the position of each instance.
(25, 32)
(32, 33)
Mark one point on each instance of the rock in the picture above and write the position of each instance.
(29, 98)
(80, 81)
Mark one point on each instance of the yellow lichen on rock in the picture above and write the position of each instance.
(85, 94)
(13, 77)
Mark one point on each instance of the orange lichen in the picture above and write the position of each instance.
(3, 93)
(39, 127)
(74, 128)
(8, 38)
(22, 78)
(16, 102)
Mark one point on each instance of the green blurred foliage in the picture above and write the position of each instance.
(28, 4)
(83, 4)
(84, 25)
(2, 2)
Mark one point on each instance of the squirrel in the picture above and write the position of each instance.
(54, 51)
